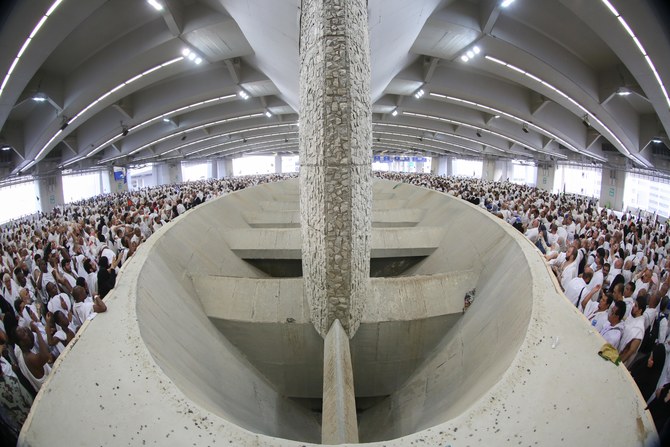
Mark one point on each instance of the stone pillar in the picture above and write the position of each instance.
(49, 192)
(545, 176)
(278, 166)
(612, 187)
(335, 151)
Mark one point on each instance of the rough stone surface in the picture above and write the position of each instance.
(335, 173)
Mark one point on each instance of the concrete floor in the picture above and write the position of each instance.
(519, 367)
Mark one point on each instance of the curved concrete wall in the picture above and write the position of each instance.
(479, 349)
(154, 368)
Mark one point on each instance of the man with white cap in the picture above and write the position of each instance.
(10, 289)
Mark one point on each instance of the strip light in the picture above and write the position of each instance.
(403, 143)
(157, 6)
(163, 116)
(88, 107)
(481, 129)
(201, 140)
(564, 95)
(246, 148)
(192, 129)
(276, 134)
(25, 45)
(498, 113)
(124, 84)
(425, 129)
(630, 32)
(477, 142)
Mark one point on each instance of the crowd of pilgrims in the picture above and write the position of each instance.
(57, 268)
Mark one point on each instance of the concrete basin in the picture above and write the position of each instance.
(201, 347)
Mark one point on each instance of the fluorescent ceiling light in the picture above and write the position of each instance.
(157, 6)
(504, 137)
(124, 84)
(591, 116)
(97, 101)
(506, 3)
(642, 50)
(498, 113)
(27, 42)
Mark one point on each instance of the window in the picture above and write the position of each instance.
(81, 186)
(258, 164)
(646, 193)
(523, 174)
(191, 172)
(582, 180)
(18, 200)
(467, 168)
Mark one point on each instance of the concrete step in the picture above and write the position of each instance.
(286, 243)
(408, 217)
(268, 321)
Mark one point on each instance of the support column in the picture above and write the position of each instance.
(545, 176)
(225, 167)
(278, 166)
(612, 188)
(167, 173)
(443, 165)
(335, 150)
(212, 169)
(105, 183)
(49, 192)
(117, 185)
(488, 169)
(502, 170)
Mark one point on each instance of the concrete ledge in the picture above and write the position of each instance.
(283, 243)
(291, 219)
(276, 300)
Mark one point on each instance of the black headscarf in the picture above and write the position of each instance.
(645, 377)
